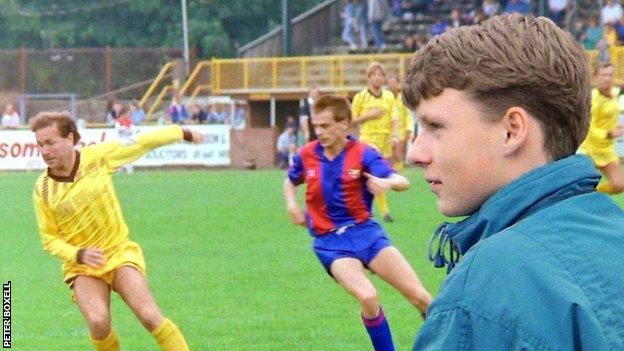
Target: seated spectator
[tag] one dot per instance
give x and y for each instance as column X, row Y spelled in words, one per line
column 457, row 19
column 178, row 114
column 518, row 6
column 10, row 118
column 592, row 34
column 238, row 120
column 136, row 113
column 438, row 27
column 490, row 8
column 409, row 44
column 611, row 12
column 557, row 11
column 286, row 146
column 215, row 116
column 198, row 115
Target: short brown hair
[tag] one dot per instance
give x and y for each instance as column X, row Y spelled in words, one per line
column 375, row 66
column 63, row 121
column 511, row 60
column 339, row 106
column 601, row 65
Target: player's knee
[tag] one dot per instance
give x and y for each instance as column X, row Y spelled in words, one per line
column 150, row 318
column 369, row 300
column 99, row 322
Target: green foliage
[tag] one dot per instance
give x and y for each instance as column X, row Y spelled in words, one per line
column 216, row 27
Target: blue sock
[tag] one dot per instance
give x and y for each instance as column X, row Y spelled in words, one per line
column 379, row 332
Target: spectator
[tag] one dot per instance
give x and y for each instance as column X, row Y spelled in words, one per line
column 611, row 12
column 420, row 40
column 396, row 7
column 125, row 132
column 378, row 11
column 113, row 109
column 136, row 113
column 619, row 31
column 215, row 116
column 409, row 44
column 592, row 34
column 286, row 146
column 361, row 21
column 305, row 121
column 518, row 6
column 490, row 8
column 348, row 24
column 238, row 120
column 178, row 114
column 557, row 11
column 457, row 19
column 478, row 17
column 10, row 118
column 198, row 115
column 438, row 27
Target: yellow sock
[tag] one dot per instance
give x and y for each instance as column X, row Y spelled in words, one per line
column 109, row 343
column 381, row 201
column 169, row 337
column 606, row 187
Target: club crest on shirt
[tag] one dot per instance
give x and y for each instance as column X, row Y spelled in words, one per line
column 310, row 173
column 354, row 173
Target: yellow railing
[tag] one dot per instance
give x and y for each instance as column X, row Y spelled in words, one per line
column 261, row 77
column 159, row 78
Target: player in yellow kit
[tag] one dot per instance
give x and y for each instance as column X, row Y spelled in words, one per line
column 373, row 111
column 604, row 128
column 80, row 221
column 405, row 120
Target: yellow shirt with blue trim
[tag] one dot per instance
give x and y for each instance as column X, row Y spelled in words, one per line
column 82, row 210
column 364, row 101
column 605, row 114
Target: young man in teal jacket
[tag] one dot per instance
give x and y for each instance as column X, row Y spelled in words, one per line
column 503, row 108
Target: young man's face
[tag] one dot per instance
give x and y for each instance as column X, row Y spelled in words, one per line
column 329, row 132
column 55, row 149
column 376, row 79
column 459, row 152
column 604, row 78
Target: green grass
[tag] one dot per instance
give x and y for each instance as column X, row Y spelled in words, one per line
column 223, row 262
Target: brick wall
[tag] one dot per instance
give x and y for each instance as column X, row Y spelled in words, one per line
column 253, row 146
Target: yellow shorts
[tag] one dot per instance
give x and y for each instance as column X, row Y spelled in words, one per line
column 601, row 156
column 128, row 254
column 381, row 142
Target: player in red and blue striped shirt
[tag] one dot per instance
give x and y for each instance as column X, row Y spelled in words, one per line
column 342, row 176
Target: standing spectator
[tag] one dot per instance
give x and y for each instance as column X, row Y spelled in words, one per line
column 378, row 11
column 490, row 8
column 457, row 19
column 611, row 12
column 10, row 118
column 557, row 11
column 113, row 109
column 305, row 115
column 198, row 115
column 518, row 6
column 438, row 27
column 348, row 24
column 136, row 113
column 125, row 132
column 361, row 21
column 238, row 120
column 177, row 110
column 286, row 146
column 592, row 35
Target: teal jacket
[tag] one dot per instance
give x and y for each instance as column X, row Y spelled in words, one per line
column 542, row 268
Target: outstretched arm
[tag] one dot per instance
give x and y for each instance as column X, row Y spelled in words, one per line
column 378, row 185
column 290, row 196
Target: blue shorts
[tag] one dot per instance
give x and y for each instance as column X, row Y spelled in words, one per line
column 361, row 241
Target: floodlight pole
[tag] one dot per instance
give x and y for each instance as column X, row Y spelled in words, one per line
column 186, row 41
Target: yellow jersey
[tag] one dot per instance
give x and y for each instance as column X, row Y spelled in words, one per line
column 82, row 210
column 404, row 116
column 605, row 114
column 364, row 101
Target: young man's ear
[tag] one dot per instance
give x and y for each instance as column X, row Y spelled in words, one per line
column 516, row 125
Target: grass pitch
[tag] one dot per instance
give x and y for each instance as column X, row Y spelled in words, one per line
column 223, row 262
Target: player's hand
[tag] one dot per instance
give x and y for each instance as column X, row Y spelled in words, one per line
column 92, row 257
column 617, row 132
column 377, row 185
column 296, row 215
column 197, row 137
